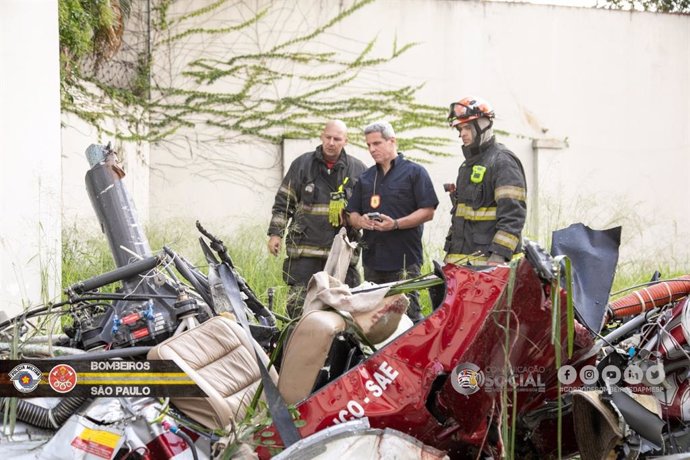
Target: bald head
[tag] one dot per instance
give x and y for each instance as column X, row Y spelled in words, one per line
column 333, row 139
column 337, row 124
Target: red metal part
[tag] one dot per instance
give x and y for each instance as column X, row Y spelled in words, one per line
column 674, row 394
column 139, row 333
column 396, row 386
column 651, row 296
column 131, row 318
column 168, row 445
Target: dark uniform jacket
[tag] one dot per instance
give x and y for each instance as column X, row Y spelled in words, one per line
column 303, row 200
column 489, row 206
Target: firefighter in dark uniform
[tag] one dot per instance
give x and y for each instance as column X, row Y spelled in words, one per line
column 489, row 196
column 309, row 205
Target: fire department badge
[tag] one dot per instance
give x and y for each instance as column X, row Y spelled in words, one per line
column 62, row 378
column 25, row 377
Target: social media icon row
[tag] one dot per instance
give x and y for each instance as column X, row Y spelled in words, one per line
column 632, row 375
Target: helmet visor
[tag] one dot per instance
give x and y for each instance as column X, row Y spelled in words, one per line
column 460, row 113
column 467, row 110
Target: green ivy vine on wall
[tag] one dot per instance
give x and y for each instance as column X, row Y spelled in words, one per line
column 282, row 87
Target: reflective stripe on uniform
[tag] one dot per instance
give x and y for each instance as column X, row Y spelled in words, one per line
column 315, row 209
column 506, row 239
column 287, row 191
column 463, row 259
column 468, row 213
column 306, row 251
column 279, row 220
column 511, row 192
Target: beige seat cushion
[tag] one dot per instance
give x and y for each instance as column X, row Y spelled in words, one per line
column 220, row 358
column 379, row 323
column 306, row 352
column 309, row 344
column 378, row 316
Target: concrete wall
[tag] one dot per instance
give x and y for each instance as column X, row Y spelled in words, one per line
column 77, row 212
column 118, row 120
column 612, row 87
column 219, row 183
column 30, row 199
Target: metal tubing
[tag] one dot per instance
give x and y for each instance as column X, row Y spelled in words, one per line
column 625, row 329
column 119, row 274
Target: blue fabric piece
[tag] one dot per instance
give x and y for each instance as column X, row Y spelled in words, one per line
column 594, row 256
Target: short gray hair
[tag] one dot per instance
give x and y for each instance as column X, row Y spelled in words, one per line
column 382, row 127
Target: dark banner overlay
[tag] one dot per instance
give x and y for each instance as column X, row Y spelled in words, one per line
column 110, row 379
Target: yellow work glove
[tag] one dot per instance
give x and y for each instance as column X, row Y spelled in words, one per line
column 337, row 204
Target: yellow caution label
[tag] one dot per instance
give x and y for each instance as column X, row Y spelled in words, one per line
column 105, row 438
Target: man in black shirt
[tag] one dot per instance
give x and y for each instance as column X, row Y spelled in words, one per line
column 402, row 194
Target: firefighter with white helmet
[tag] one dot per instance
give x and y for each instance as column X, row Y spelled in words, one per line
column 489, row 196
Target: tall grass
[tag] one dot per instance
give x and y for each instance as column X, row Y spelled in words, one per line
column 249, row 253
column 637, row 262
column 83, row 255
column 86, row 255
column 634, row 275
